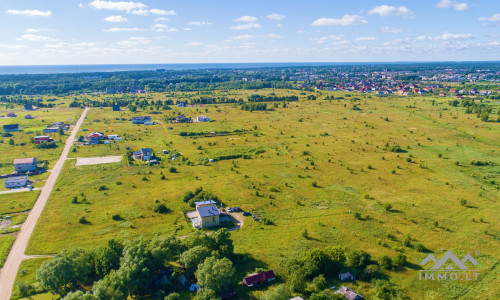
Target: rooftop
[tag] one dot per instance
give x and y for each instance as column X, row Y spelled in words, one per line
column 27, row 160
column 206, row 202
column 208, row 211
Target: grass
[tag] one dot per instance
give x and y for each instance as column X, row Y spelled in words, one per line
column 6, row 242
column 17, row 202
column 27, row 276
column 322, row 142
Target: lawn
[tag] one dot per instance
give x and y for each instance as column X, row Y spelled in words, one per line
column 17, row 202
column 324, row 166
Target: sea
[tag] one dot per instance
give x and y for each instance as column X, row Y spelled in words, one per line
column 56, row 69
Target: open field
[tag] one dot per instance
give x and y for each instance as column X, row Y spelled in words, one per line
column 324, row 166
column 17, row 202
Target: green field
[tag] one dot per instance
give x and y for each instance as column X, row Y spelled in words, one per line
column 325, row 166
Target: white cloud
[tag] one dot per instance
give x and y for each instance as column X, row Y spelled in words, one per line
column 324, row 39
column 12, row 47
column 35, row 30
column 246, row 19
column 388, row 29
column 162, row 28
column 366, row 38
column 244, row 37
column 455, row 36
column 132, row 41
column 35, row 38
column 494, row 18
column 30, row 12
column 118, row 29
column 159, row 19
column 117, row 5
column 460, row 6
column 198, row 23
column 273, row 36
column 187, row 29
column 115, row 19
column 162, row 12
column 277, row 17
column 344, row 21
column 247, row 26
column 391, row 11
column 194, row 44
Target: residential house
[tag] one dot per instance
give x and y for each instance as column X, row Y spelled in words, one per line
column 51, row 130
column 349, row 294
column 346, row 276
column 181, row 104
column 11, row 127
column 145, row 154
column 43, row 139
column 259, row 278
column 22, row 165
column 16, row 182
column 140, row 120
column 203, row 119
column 207, row 214
column 182, row 119
column 11, row 115
column 29, row 117
column 94, row 137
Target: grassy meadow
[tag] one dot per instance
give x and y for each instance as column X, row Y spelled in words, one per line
column 331, row 167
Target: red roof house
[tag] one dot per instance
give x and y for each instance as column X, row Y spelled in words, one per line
column 259, row 278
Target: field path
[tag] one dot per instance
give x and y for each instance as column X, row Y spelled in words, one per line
column 16, row 255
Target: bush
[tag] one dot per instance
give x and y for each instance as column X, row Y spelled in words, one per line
column 400, row 260
column 82, row 220
column 160, row 208
column 102, row 188
column 385, row 262
column 117, row 217
column 172, row 170
column 387, row 207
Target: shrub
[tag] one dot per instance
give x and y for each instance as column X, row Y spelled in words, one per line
column 172, row 170
column 387, row 207
column 117, row 217
column 160, row 208
column 102, row 188
column 82, row 220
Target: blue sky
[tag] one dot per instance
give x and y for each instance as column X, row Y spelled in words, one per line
column 38, row 32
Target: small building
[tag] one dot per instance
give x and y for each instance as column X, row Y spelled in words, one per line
column 114, row 137
column 145, row 154
column 11, row 115
column 346, row 276
column 207, row 214
column 149, row 123
column 51, row 129
column 140, row 120
column 259, row 278
column 43, row 139
column 349, row 294
column 11, row 127
column 94, row 137
column 22, row 165
column 182, row 119
column 29, row 117
column 203, row 119
column 16, row 182
column 181, row 104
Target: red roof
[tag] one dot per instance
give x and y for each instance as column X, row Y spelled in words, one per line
column 29, row 160
column 259, row 278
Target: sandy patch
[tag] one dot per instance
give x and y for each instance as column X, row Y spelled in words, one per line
column 97, row 160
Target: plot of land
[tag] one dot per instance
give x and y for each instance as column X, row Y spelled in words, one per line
column 97, row 160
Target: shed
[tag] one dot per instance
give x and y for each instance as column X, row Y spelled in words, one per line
column 259, row 278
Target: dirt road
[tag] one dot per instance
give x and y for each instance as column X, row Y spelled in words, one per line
column 16, row 255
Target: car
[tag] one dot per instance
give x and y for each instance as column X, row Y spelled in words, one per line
column 246, row 213
column 229, row 210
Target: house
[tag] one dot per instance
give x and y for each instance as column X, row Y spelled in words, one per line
column 116, row 107
column 182, row 119
column 203, row 119
column 11, row 127
column 296, row 298
column 149, row 123
column 145, row 154
column 22, row 165
column 29, row 117
column 259, row 278
column 346, row 276
column 207, row 214
column 15, row 182
column 43, row 139
column 94, row 137
column 51, row 130
column 349, row 294
column 114, row 137
column 181, row 104
column 140, row 120
column 11, row 115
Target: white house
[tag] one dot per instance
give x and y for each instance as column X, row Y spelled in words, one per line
column 16, row 182
column 203, row 119
column 25, row 164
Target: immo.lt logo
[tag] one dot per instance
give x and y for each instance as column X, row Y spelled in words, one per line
column 449, row 267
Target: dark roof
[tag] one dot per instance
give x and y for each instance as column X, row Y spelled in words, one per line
column 208, row 211
column 349, row 294
column 146, row 151
column 11, row 126
column 258, row 278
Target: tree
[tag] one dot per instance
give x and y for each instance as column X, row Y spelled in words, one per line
column 356, row 259
column 164, row 248
column 317, row 284
column 281, row 292
column 110, row 287
column 108, row 258
column 79, row 295
column 297, row 281
column 61, row 130
column 193, row 257
column 197, row 238
column 385, row 262
column 136, row 268
column 221, row 241
column 173, row 296
column 399, row 260
column 215, row 274
column 206, row 294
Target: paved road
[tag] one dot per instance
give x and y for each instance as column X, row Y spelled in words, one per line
column 16, row 255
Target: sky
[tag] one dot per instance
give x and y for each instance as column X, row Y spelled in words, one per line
column 62, row 32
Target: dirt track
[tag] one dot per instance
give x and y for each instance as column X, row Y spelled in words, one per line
column 16, row 255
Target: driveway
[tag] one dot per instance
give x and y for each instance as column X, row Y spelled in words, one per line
column 16, row 255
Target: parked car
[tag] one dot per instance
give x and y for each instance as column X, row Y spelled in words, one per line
column 246, row 213
column 229, row 210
